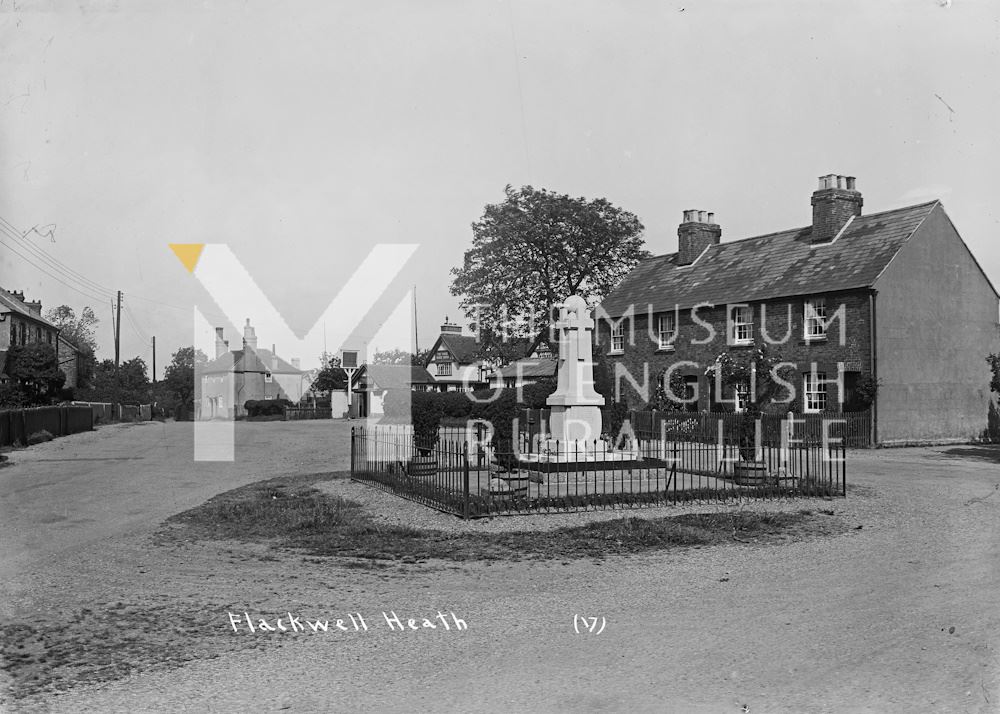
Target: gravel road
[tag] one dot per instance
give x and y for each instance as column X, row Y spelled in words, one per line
column 897, row 614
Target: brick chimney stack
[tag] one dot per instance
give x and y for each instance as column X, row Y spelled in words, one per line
column 450, row 328
column 834, row 203
column 249, row 336
column 34, row 306
column 221, row 346
column 698, row 231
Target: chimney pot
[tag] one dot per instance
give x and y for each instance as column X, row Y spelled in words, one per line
column 250, row 336
column 449, row 328
column 221, row 346
column 695, row 234
column 834, row 204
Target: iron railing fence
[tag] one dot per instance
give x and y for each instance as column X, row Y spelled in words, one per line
column 533, row 475
column 296, row 413
column 855, row 428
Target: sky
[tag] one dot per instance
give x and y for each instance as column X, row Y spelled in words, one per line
column 303, row 135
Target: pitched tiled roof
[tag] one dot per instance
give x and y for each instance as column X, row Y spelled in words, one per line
column 249, row 360
column 770, row 266
column 462, row 347
column 9, row 303
column 393, row 376
column 543, row 367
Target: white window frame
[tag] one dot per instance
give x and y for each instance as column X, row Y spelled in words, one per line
column 618, row 337
column 667, row 336
column 741, row 396
column 268, row 377
column 742, row 325
column 814, row 319
column 443, row 369
column 814, row 392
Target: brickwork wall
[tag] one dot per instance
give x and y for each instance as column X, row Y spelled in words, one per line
column 643, row 350
column 831, row 210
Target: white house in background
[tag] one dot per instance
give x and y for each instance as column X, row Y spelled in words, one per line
column 235, row 377
column 373, row 382
column 453, row 362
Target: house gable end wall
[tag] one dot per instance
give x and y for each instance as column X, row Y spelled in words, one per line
column 936, row 320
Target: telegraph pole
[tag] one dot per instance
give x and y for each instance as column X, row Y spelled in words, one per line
column 154, row 360
column 118, row 332
column 416, row 336
column 118, row 336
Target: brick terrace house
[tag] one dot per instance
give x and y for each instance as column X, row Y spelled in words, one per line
column 250, row 373
column 895, row 296
column 21, row 323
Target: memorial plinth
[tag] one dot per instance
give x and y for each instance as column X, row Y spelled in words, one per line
column 575, row 423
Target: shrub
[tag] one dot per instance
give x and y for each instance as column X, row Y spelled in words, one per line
column 617, row 414
column 533, row 396
column 266, row 407
column 427, row 409
column 39, row 437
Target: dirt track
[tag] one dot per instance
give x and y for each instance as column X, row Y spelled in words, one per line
column 858, row 622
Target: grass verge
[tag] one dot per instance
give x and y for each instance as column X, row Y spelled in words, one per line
column 290, row 513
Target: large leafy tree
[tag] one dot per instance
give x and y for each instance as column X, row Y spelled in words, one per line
column 534, row 250
column 34, row 373
column 133, row 382
column 331, row 375
column 398, row 356
column 130, row 386
column 80, row 331
column 176, row 391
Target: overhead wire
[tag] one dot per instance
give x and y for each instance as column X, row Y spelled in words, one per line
column 65, row 270
column 86, row 293
column 84, row 285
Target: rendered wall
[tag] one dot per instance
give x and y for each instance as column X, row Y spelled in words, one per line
column 936, row 320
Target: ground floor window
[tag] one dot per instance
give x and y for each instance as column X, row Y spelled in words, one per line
column 814, row 390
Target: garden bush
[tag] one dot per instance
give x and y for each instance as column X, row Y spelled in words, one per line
column 39, row 437
column 266, row 407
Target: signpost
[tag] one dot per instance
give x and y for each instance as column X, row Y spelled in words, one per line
column 349, row 363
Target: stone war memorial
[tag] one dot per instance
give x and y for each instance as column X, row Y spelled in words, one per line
column 575, row 423
column 570, row 464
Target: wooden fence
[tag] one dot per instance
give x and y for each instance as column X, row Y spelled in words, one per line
column 16, row 425
column 105, row 412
